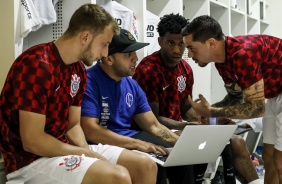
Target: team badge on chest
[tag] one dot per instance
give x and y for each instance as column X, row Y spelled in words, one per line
column 129, row 99
column 181, row 83
column 75, row 80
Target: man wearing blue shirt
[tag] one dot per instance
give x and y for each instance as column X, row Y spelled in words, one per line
column 113, row 100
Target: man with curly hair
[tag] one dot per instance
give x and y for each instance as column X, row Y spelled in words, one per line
column 158, row 72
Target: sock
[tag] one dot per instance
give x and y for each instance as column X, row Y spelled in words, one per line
column 257, row 181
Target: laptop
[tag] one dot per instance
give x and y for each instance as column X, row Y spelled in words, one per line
column 197, row 144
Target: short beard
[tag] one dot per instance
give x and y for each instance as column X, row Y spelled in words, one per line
column 86, row 53
column 87, row 62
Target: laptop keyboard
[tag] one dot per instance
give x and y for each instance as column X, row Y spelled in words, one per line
column 160, row 157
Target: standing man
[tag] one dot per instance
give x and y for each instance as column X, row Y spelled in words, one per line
column 251, row 65
column 41, row 137
column 113, row 100
column 167, row 80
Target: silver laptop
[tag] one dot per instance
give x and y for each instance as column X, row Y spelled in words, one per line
column 197, row 144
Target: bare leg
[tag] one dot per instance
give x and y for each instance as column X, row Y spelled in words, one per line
column 244, row 168
column 105, row 172
column 278, row 164
column 271, row 175
column 142, row 169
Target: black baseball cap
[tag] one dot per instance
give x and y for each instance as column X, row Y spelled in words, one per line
column 124, row 43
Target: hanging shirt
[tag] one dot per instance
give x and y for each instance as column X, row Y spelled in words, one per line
column 107, row 5
column 46, row 11
column 152, row 33
column 125, row 18
column 30, row 20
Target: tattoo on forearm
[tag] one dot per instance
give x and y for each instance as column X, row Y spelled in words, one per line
column 165, row 135
column 234, row 96
column 259, row 86
column 233, row 89
column 252, row 106
column 257, row 94
column 229, row 100
column 245, row 110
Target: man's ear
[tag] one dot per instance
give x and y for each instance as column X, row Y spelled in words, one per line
column 109, row 59
column 160, row 41
column 211, row 42
column 85, row 37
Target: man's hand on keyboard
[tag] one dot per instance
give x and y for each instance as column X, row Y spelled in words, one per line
column 151, row 148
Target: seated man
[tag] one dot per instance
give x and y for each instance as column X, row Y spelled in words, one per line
column 40, row 134
column 167, row 80
column 112, row 100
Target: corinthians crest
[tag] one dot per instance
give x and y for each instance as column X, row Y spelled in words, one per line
column 75, row 80
column 71, row 162
column 181, row 83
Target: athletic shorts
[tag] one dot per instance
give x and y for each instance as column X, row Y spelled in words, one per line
column 63, row 170
column 272, row 122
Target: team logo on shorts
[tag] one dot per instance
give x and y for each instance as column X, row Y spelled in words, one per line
column 71, row 162
column 181, row 83
column 75, row 80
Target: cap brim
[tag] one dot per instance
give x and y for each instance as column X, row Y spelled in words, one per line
column 134, row 47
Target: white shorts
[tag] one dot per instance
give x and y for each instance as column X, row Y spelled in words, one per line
column 63, row 170
column 272, row 122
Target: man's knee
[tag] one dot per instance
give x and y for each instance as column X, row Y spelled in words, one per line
column 238, row 145
column 237, row 141
column 119, row 173
column 137, row 163
column 104, row 172
column 147, row 164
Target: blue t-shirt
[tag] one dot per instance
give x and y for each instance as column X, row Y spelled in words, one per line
column 113, row 103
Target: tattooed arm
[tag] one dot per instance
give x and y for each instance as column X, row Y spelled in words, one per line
column 252, row 107
column 234, row 96
column 96, row 133
column 148, row 122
